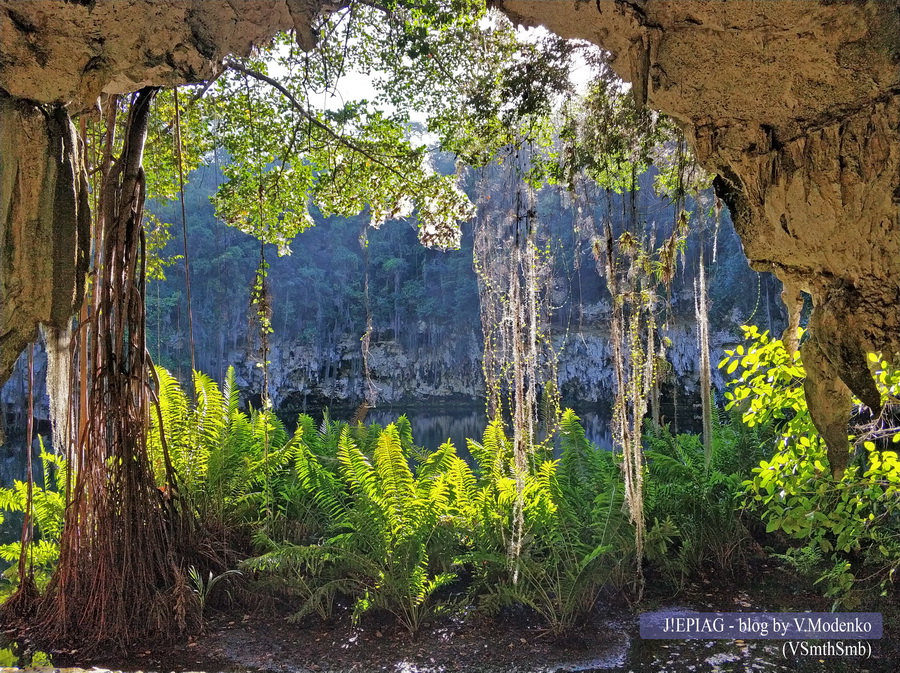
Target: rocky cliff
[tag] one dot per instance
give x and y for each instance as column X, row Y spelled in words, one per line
column 303, row 376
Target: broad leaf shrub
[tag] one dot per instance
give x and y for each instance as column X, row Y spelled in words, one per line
column 231, row 466
column 848, row 523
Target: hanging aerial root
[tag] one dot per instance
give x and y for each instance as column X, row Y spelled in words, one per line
column 22, row 605
column 120, row 577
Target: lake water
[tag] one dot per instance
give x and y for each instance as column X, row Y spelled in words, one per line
column 432, row 426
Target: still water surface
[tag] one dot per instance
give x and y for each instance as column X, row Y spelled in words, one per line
column 432, row 426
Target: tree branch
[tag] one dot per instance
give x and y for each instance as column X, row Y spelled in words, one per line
column 346, row 142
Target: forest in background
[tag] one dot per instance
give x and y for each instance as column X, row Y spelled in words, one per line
column 424, row 303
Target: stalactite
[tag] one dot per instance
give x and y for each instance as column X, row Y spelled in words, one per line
column 44, row 223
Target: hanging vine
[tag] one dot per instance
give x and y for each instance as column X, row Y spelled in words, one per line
column 187, row 259
column 610, row 141
column 21, row 605
column 702, row 313
column 519, row 362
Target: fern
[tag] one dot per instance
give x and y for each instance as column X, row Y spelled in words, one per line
column 396, row 486
column 229, row 464
column 573, row 521
column 383, row 521
column 48, row 514
column 694, row 505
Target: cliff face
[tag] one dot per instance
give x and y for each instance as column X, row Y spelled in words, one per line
column 795, row 106
column 303, row 376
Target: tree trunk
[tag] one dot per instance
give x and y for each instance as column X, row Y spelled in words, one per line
column 118, row 577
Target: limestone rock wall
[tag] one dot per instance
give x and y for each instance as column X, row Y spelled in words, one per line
column 302, row 376
column 44, row 223
column 71, row 51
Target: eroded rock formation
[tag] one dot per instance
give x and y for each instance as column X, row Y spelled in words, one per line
column 57, row 58
column 795, row 106
column 44, row 223
column 70, row 51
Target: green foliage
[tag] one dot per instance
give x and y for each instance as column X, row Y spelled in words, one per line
column 383, row 521
column 203, row 587
column 575, row 531
column 48, row 511
column 398, row 522
column 768, row 388
column 163, row 170
column 694, row 507
column 794, row 490
column 225, row 459
column 285, row 153
column 362, row 513
column 315, row 294
column 13, row 657
column 289, row 147
column 484, row 89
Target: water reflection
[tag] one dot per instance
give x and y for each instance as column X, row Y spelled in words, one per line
column 432, row 426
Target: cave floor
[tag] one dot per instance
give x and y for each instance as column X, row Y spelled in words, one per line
column 259, row 639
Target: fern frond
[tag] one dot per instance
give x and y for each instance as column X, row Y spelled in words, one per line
column 395, row 479
column 437, row 462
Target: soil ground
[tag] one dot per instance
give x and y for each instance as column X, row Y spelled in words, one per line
column 260, row 639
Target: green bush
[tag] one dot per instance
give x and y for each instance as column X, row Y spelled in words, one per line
column 694, row 507
column 399, row 523
column 48, row 508
column 575, row 533
column 793, row 490
column 383, row 521
column 229, row 465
